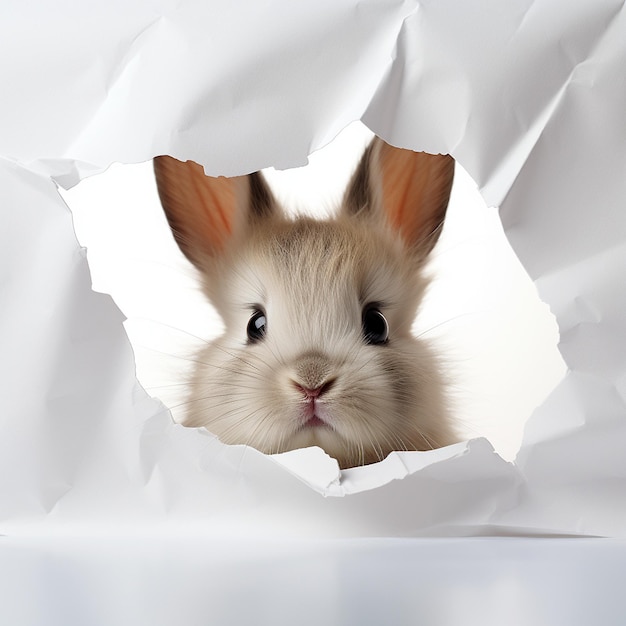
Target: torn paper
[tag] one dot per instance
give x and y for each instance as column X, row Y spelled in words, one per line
column 529, row 100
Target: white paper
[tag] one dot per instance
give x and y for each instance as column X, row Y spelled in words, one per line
column 528, row 97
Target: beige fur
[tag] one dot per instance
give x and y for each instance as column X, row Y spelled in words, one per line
column 313, row 279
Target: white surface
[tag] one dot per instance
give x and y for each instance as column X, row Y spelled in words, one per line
column 445, row 582
column 529, row 97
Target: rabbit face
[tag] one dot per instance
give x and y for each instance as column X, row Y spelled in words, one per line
column 317, row 348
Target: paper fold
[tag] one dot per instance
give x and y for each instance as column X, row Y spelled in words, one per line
column 528, row 98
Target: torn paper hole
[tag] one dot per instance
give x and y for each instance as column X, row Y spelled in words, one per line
column 482, row 311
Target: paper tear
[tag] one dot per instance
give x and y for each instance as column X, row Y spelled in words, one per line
column 316, row 468
column 564, row 206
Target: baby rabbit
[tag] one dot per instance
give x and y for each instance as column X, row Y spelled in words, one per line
column 317, row 348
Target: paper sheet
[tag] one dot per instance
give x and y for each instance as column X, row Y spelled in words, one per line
column 529, row 100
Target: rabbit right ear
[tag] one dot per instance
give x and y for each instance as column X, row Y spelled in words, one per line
column 409, row 191
column 205, row 213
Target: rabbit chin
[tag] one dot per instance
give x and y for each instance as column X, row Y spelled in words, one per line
column 347, row 453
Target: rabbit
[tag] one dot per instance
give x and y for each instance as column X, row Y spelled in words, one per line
column 317, row 348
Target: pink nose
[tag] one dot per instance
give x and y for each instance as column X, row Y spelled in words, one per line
column 311, row 394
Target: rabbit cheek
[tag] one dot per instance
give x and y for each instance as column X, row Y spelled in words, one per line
column 367, row 413
column 231, row 397
column 421, row 417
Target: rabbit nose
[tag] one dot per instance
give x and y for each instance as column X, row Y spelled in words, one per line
column 311, row 370
column 312, row 394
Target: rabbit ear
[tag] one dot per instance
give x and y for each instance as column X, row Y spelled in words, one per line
column 204, row 212
column 409, row 190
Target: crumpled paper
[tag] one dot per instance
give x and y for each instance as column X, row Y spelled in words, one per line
column 527, row 96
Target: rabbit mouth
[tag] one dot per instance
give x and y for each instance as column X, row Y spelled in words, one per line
column 314, row 422
column 314, row 416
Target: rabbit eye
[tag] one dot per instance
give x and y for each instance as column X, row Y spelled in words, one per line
column 375, row 327
column 256, row 326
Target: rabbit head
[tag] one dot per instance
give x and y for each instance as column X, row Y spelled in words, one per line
column 317, row 348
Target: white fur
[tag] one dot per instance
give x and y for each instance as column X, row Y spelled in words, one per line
column 313, row 279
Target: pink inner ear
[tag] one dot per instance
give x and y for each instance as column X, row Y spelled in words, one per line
column 200, row 209
column 416, row 187
column 216, row 199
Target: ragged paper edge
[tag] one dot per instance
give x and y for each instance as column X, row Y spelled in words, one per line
column 321, row 472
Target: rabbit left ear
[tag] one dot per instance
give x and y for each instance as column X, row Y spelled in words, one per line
column 206, row 214
column 408, row 190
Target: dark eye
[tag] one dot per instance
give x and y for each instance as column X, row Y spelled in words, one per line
column 256, row 326
column 375, row 327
